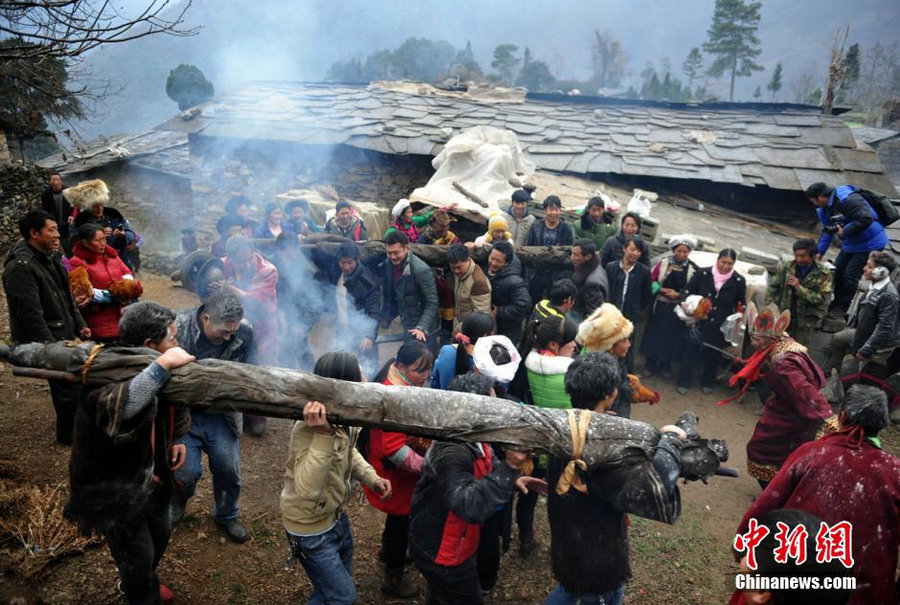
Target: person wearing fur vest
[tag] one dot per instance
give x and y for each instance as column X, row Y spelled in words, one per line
column 124, row 456
column 105, row 270
column 608, row 331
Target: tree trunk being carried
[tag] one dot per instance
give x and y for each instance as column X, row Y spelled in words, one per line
column 218, row 386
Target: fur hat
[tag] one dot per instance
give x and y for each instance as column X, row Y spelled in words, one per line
column 603, row 328
column 399, row 208
column 86, row 194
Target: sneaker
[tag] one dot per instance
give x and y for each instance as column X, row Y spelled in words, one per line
column 176, row 509
column 235, row 531
column 682, row 390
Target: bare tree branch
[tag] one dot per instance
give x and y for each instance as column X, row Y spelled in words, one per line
column 66, row 29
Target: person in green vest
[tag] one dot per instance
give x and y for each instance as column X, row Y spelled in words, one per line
column 549, row 343
column 596, row 223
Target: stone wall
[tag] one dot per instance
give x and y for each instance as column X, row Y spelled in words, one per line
column 20, row 191
column 260, row 171
column 158, row 205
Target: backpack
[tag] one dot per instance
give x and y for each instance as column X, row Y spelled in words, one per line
column 884, row 208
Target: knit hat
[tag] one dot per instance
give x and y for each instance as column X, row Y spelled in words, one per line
column 685, row 239
column 497, row 222
column 87, row 194
column 603, row 328
column 399, row 208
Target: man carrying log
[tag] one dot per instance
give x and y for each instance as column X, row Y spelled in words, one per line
column 124, row 455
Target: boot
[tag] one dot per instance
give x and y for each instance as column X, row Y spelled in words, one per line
column 396, row 586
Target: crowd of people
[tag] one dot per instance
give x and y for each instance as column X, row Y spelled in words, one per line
column 486, row 323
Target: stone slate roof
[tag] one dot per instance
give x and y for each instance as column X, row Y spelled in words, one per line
column 157, row 150
column 781, row 146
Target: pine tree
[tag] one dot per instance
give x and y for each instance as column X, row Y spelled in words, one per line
column 187, row 86
column 534, row 75
column 693, row 66
column 774, row 84
column 732, row 38
column 506, row 62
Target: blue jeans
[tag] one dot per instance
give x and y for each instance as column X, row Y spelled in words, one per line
column 211, row 433
column 328, row 561
column 560, row 597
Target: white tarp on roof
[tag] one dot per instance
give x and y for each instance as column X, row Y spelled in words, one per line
column 483, row 161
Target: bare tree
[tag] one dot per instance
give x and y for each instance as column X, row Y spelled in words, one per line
column 879, row 76
column 837, row 70
column 608, row 60
column 65, row 29
column 803, row 84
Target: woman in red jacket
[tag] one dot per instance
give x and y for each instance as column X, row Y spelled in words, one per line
column 104, row 268
column 398, row 458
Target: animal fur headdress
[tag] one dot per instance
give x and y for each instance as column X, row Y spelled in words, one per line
column 603, row 328
column 86, row 194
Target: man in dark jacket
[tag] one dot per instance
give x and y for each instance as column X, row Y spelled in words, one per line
column 41, row 307
column 589, row 277
column 215, row 330
column 409, row 290
column 552, row 231
column 358, row 306
column 510, row 302
column 588, row 529
column 461, row 486
column 873, row 331
column 844, row 212
column 124, row 456
column 54, row 203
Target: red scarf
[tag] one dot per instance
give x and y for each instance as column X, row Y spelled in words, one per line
column 751, row 372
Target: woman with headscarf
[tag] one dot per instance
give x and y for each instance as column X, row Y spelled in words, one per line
column 663, row 342
column 405, row 222
column 456, row 359
column 398, row 458
column 727, row 289
column 273, row 223
column 614, row 248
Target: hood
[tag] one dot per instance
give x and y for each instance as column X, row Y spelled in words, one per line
column 547, row 365
column 513, row 267
column 509, row 211
column 21, row 251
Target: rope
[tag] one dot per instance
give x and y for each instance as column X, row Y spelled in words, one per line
column 578, row 428
column 95, row 351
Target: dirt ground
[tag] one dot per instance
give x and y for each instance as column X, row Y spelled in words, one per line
column 687, row 563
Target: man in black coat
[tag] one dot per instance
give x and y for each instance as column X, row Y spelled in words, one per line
column 54, row 203
column 358, row 305
column 552, row 231
column 588, row 529
column 41, row 307
column 590, row 279
column 121, row 471
column 510, row 302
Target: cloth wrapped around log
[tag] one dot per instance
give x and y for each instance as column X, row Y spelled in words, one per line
column 214, row 385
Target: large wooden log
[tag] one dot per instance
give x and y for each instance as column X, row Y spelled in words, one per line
column 218, row 386
column 539, row 257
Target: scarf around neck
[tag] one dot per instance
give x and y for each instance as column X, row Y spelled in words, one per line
column 719, row 279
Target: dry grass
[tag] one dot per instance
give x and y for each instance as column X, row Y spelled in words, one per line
column 33, row 526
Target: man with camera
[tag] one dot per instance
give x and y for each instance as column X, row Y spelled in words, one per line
column 844, row 212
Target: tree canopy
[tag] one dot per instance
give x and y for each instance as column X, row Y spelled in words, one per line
column 187, row 86
column 732, row 40
column 506, row 62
